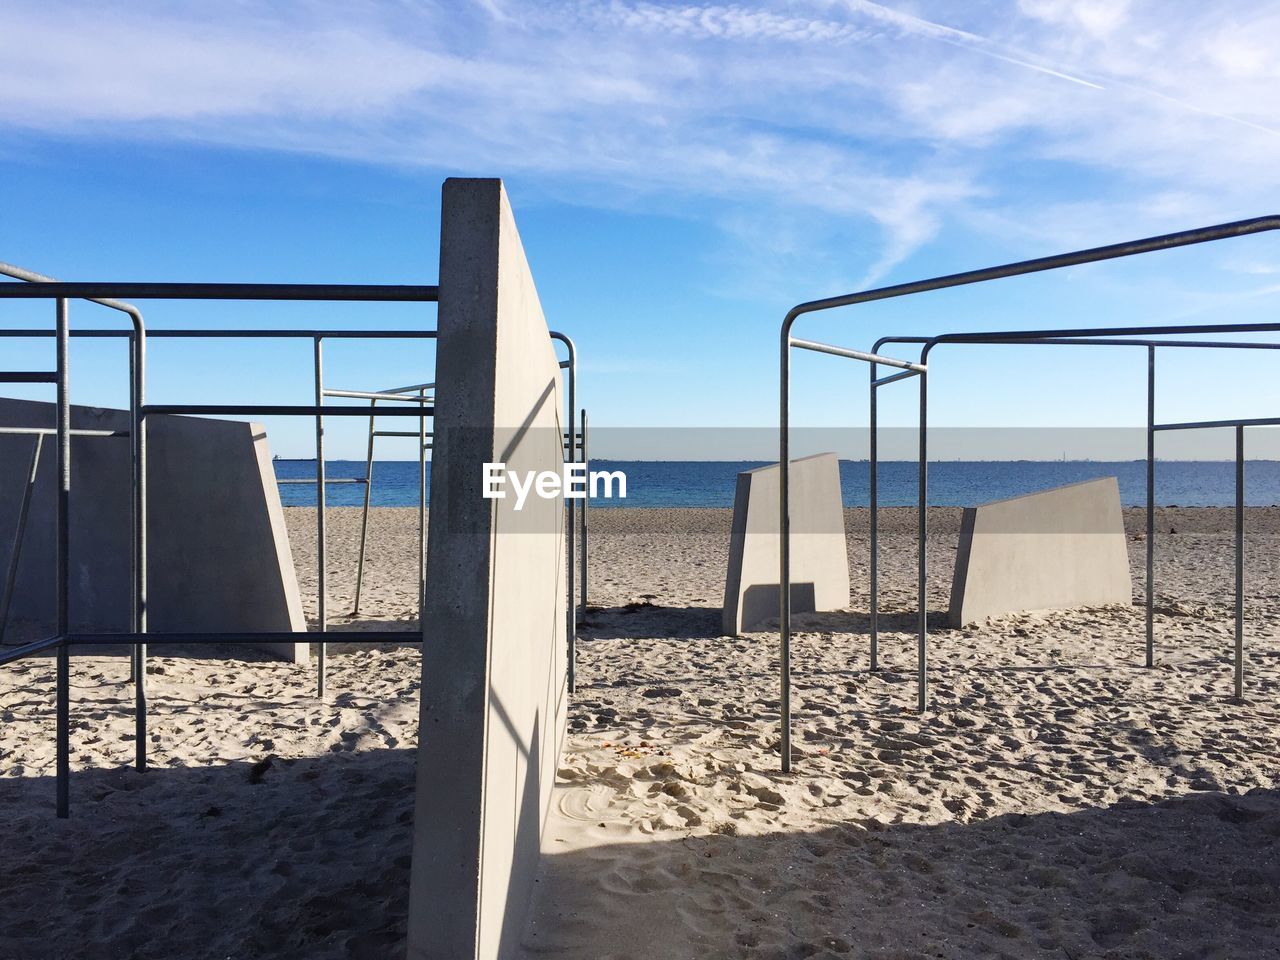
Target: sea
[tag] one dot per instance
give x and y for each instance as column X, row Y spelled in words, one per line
column 701, row 483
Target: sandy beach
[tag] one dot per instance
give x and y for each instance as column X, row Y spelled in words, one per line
column 1058, row 801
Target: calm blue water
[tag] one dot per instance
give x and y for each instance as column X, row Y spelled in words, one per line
column 711, row 484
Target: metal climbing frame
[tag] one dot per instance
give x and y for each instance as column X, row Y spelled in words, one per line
column 575, row 444
column 40, row 287
column 320, row 480
column 1091, row 255
column 1097, row 338
column 574, row 438
column 414, row 393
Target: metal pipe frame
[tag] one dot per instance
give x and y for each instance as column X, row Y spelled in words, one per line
column 397, row 393
column 1097, row 337
column 137, row 352
column 39, row 287
column 1003, row 271
column 424, row 440
column 1238, row 428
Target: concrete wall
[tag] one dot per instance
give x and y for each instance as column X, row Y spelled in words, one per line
column 819, row 559
column 1053, row 550
column 493, row 644
column 218, row 552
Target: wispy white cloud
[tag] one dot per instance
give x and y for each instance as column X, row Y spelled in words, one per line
column 1116, row 116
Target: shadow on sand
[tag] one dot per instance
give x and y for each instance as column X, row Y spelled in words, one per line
column 1196, row 876
column 644, row 619
column 273, row 858
column 310, row 858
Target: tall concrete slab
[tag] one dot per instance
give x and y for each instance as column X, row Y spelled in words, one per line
column 819, row 559
column 1053, row 550
column 494, row 692
column 218, row 552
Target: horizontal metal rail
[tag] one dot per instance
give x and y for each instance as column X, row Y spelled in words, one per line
column 52, row 431
column 373, row 395
column 855, row 354
column 235, row 334
column 92, row 290
column 297, row 636
column 1102, row 336
column 30, row 276
column 27, row 649
column 28, row 376
column 1212, row 424
column 313, row 481
column 894, row 378
column 1031, row 339
column 400, row 433
column 276, row 410
column 412, row 388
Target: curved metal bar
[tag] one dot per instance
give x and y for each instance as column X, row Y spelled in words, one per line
column 138, row 472
column 1168, row 241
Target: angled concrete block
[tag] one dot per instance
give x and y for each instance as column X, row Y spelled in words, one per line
column 218, row 552
column 819, row 559
column 1053, row 550
column 493, row 643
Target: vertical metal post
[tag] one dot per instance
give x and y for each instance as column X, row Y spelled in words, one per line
column 1151, row 508
column 922, row 650
column 784, row 550
column 422, row 503
column 133, row 526
column 586, row 499
column 138, row 451
column 63, row 522
column 364, row 516
column 872, row 467
column 571, row 626
column 24, row 509
column 321, row 591
column 1240, row 562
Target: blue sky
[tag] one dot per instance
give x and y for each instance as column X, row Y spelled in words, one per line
column 682, row 174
